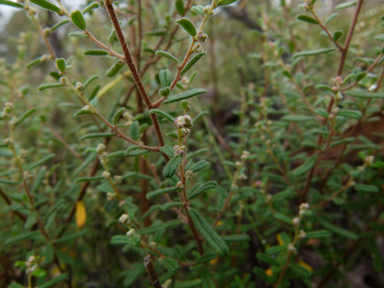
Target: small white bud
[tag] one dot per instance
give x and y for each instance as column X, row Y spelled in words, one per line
column 106, row 175
column 295, row 221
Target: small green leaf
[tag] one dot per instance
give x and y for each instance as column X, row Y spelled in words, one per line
column 163, row 114
column 199, row 165
column 77, row 34
column 192, row 62
column 82, row 112
column 51, row 85
column 206, row 278
column 172, row 165
column 91, row 6
column 39, row 273
column 117, row 115
column 307, row 19
column 9, row 182
column 46, row 5
column 267, row 259
column 313, row 52
column 34, row 62
column 161, row 192
column 276, row 249
column 26, row 115
column 318, row 234
column 165, row 91
column 168, row 150
column 96, row 135
column 187, row 26
column 347, row 140
column 158, row 235
column 180, row 7
column 306, row 166
column 89, row 81
column 167, row 55
column 96, row 52
column 366, row 188
column 355, row 114
column 54, row 281
column 11, row 3
column 39, row 179
column 204, row 187
column 283, row 218
column 184, row 95
column 115, row 68
column 60, row 64
column 337, row 230
column 206, row 257
column 88, row 179
column 199, row 9
column 360, row 93
column 165, row 76
column 209, row 233
column 31, row 220
column 170, row 264
column 169, row 205
column 226, row 2
column 78, row 20
column 58, row 25
column 346, row 4
column 337, row 35
column 40, row 162
column 135, row 130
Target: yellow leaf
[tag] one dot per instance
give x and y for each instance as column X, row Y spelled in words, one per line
column 214, row 261
column 279, row 239
column 81, row 214
column 269, row 272
column 305, row 265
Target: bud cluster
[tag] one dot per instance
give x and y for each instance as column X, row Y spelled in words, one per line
column 201, row 36
column 183, row 122
column 303, row 208
column 110, row 196
column 106, row 175
column 8, row 107
column 188, row 174
column 180, row 150
column 31, row 264
column 124, row 219
column 101, row 148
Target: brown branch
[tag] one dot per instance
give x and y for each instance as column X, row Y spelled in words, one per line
column 153, row 277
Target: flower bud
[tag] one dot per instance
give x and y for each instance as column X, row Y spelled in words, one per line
column 131, row 232
column 79, row 86
column 295, row 221
column 291, row 248
column 106, row 175
column 101, row 148
column 124, row 219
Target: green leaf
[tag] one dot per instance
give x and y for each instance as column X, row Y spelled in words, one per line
column 184, row 95
column 168, row 150
column 46, row 5
column 20, row 236
column 346, row 4
column 71, row 236
column 307, row 19
column 180, row 7
column 300, row 270
column 172, row 165
column 54, row 281
column 170, row 264
column 192, row 62
column 31, row 220
column 39, row 273
column 14, row 284
column 337, row 35
column 209, row 233
column 198, row 116
column 82, row 112
column 337, row 230
column 283, row 218
column 167, row 55
column 135, row 130
column 298, row 118
column 161, row 192
column 58, row 25
column 206, row 278
column 169, row 205
column 78, row 20
column 226, row 2
column 60, row 64
column 360, row 93
column 306, row 166
column 199, row 9
column 187, row 26
column 134, row 240
column 88, row 179
column 204, row 187
column 193, row 154
column 96, row 135
column 49, row 253
column 117, row 115
column 326, row 87
column 236, row 238
column 165, row 91
column 96, row 52
column 39, row 179
column 313, row 52
column 318, row 234
column 40, row 162
column 91, row 6
column 158, row 235
column 347, row 140
column 322, row 112
column 11, row 3
column 276, row 249
column 199, row 165
column 115, row 68
column 34, row 62
column 366, row 188
column 331, row 17
column 163, row 114
column 206, row 257
column 355, row 114
column 165, row 76
column 89, row 81
column 267, row 259
column 77, row 34
column 51, row 85
column 26, row 115
column 10, row 182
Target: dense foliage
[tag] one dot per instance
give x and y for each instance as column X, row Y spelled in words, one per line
column 192, row 144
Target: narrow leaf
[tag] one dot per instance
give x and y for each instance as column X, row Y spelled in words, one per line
column 360, row 93
column 307, row 19
column 199, row 165
column 169, row 205
column 11, row 3
column 168, row 150
column 117, row 115
column 167, row 55
column 91, row 6
column 46, row 5
column 115, row 68
column 337, row 230
column 26, row 115
column 41, row 161
column 204, row 187
column 89, row 81
column 318, row 234
column 96, row 52
column 267, row 259
column 78, row 20
column 96, row 135
column 48, row 86
column 172, row 165
column 161, row 192
column 192, row 62
column 184, row 95
column 135, row 130
column 226, row 2
column 306, row 166
column 187, row 26
column 82, row 112
column 163, row 114
column 355, row 114
column 313, row 52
